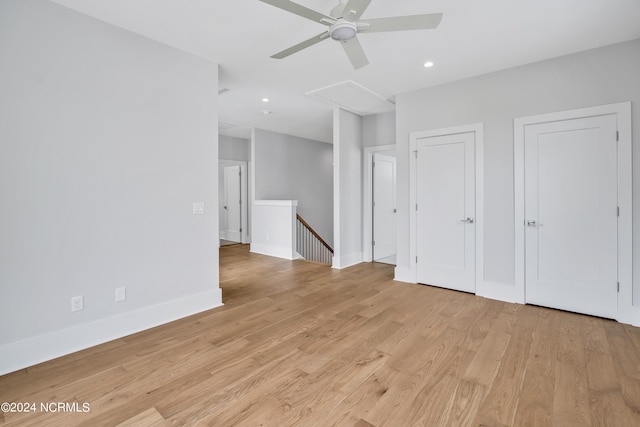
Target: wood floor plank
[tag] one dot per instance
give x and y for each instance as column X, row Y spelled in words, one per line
column 571, row 395
column 463, row 404
column 502, row 399
column 534, row 407
column 437, row 390
column 486, row 363
column 302, row 344
column 358, row 404
column 606, row 402
column 151, row 417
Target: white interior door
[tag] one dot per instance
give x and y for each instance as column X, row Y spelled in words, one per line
column 571, row 215
column 445, row 211
column 233, row 203
column 384, row 207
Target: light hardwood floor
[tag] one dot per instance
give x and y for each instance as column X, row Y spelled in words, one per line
column 300, row 344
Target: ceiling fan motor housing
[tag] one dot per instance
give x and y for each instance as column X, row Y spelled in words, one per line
column 343, row 30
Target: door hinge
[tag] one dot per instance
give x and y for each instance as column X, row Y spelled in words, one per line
column 373, row 243
column 618, row 286
column 416, row 260
column 416, row 206
column 373, row 165
column 617, row 136
column 241, row 230
column 618, row 213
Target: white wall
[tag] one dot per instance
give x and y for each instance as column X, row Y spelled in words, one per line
column 379, row 129
column 596, row 77
column 274, row 228
column 106, row 140
column 232, row 148
column 347, row 188
column 292, row 168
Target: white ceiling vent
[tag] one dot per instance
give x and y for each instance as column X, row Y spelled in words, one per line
column 225, row 125
column 352, row 97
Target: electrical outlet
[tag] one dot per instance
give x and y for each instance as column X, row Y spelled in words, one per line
column 121, row 294
column 77, row 303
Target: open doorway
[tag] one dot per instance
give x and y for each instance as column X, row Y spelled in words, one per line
column 233, row 205
column 380, row 204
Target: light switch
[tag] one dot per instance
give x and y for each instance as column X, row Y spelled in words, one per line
column 77, row 303
column 121, row 294
column 198, row 208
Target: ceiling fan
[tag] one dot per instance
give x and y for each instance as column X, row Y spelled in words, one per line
column 344, row 24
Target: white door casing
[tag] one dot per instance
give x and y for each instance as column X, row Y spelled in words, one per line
column 367, row 210
column 571, row 215
column 233, row 203
column 477, row 130
column 446, row 211
column 384, row 206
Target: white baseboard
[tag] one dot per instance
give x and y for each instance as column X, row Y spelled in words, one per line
column 403, row 275
column 347, row 260
column 629, row 314
column 499, row 291
column 275, row 251
column 31, row 351
column 492, row 290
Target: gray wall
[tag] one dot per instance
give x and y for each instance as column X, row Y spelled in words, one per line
column 106, row 140
column 292, row 168
column 232, row 148
column 379, row 129
column 596, row 77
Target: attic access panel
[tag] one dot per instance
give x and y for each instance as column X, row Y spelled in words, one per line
column 352, row 97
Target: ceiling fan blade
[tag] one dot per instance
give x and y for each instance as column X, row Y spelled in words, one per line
column 300, row 46
column 400, row 23
column 354, row 9
column 300, row 10
column 355, row 53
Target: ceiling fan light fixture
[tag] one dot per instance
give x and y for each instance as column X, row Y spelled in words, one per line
column 343, row 30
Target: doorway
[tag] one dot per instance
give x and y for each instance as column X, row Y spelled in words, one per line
column 379, row 230
column 383, row 244
column 233, row 206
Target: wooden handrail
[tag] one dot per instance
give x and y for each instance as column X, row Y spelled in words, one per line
column 317, row 236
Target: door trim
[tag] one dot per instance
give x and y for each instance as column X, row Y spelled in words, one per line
column 367, row 223
column 478, row 130
column 244, row 194
column 627, row 312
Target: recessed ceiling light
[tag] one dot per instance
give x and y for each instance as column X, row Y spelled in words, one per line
column 428, row 64
column 265, row 99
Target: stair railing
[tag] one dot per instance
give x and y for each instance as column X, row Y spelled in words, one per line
column 310, row 245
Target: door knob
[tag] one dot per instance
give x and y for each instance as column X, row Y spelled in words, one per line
column 531, row 223
column 468, row 220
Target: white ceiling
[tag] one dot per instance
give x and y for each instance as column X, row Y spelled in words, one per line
column 475, row 37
